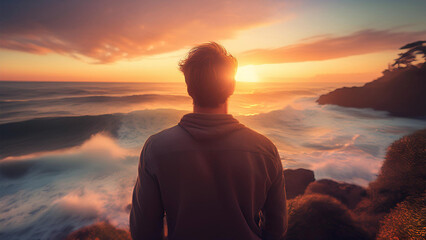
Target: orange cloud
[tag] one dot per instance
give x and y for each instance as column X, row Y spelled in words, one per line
column 109, row 30
column 325, row 47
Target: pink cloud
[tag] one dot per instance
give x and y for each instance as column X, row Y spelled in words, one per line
column 109, row 30
column 327, row 47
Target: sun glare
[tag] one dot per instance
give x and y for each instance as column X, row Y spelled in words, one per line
column 246, row 74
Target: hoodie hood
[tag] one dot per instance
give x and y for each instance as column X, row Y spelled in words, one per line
column 203, row 126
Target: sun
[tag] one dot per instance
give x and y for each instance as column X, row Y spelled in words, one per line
column 246, row 74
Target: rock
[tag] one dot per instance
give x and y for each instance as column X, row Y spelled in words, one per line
column 348, row 194
column 296, row 181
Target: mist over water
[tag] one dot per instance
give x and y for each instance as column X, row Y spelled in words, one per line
column 58, row 174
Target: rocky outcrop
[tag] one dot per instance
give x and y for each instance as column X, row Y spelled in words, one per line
column 296, row 181
column 349, row 194
column 401, row 92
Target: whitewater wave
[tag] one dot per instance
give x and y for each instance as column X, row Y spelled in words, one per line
column 48, row 195
column 47, row 134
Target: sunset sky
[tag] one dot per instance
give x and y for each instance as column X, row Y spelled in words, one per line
column 127, row 40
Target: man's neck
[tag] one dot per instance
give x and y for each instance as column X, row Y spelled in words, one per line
column 221, row 109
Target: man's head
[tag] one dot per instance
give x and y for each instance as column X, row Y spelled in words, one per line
column 209, row 72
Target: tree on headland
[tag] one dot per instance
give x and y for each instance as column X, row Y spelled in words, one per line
column 413, row 45
column 405, row 58
column 409, row 56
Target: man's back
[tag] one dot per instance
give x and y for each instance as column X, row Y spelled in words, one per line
column 212, row 177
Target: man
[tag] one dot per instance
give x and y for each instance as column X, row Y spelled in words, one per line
column 211, row 176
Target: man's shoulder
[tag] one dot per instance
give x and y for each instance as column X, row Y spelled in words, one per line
column 177, row 139
column 177, row 133
column 167, row 133
column 262, row 139
column 254, row 141
column 167, row 138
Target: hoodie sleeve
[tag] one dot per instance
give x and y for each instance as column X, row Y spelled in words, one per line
column 275, row 208
column 146, row 215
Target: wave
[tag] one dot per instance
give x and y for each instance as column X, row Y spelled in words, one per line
column 118, row 100
column 54, row 133
column 42, row 223
column 46, row 196
column 13, row 111
column 10, row 90
column 23, row 102
column 48, row 134
column 15, row 105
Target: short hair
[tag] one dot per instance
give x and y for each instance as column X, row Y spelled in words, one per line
column 209, row 72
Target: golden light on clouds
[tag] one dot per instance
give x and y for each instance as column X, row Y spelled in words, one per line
column 135, row 41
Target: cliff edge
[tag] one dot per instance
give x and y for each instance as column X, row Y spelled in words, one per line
column 401, row 92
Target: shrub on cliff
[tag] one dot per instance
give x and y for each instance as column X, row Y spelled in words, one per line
column 348, row 194
column 405, row 221
column 100, row 231
column 318, row 217
column 403, row 173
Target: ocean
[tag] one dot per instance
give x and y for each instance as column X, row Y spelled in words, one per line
column 69, row 151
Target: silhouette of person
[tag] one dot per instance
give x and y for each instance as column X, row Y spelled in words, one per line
column 211, row 176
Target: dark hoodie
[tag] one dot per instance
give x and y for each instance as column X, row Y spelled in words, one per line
column 214, row 178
